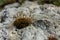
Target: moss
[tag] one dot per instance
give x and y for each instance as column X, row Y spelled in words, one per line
column 4, row 2
column 55, row 2
column 51, row 37
column 21, row 1
column 21, row 22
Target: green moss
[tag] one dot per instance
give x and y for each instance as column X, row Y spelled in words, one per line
column 55, row 2
column 3, row 2
column 21, row 1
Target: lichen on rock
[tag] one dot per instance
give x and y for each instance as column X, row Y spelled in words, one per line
column 46, row 21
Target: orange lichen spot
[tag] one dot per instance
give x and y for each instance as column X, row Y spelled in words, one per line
column 22, row 22
column 51, row 37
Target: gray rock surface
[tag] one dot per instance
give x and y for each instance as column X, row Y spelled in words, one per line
column 46, row 21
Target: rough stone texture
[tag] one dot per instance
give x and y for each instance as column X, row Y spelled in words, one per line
column 46, row 21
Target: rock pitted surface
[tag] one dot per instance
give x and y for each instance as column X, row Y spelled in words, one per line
column 46, row 21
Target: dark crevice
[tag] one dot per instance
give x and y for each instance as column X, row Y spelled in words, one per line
column 3, row 17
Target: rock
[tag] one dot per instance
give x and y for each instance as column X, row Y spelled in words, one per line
column 46, row 21
column 30, row 33
column 12, row 5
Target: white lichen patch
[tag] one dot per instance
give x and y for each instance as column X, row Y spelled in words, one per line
column 13, row 35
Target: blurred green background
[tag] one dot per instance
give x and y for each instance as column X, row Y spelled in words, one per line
column 55, row 2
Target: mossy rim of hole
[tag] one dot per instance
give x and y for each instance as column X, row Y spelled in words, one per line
column 20, row 22
column 52, row 38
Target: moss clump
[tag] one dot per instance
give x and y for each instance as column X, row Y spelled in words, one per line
column 51, row 37
column 4, row 2
column 22, row 22
column 55, row 2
